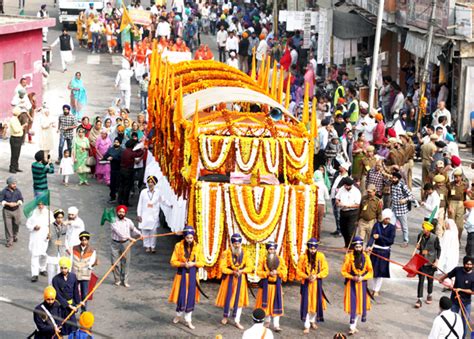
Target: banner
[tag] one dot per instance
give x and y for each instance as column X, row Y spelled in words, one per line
column 140, row 17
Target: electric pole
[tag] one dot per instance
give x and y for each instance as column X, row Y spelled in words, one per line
column 375, row 57
column 425, row 73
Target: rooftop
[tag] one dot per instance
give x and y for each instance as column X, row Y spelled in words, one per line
column 16, row 23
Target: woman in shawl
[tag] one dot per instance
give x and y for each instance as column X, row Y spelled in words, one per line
column 47, row 124
column 93, row 136
column 85, row 124
column 359, row 150
column 78, row 95
column 80, row 153
column 102, row 169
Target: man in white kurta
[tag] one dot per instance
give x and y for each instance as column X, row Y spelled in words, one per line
column 148, row 213
column 38, row 225
column 123, row 83
column 75, row 226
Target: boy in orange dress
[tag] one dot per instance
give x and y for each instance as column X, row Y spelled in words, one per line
column 272, row 271
column 187, row 258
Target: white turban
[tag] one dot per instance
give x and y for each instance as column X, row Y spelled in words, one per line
column 387, row 214
column 72, row 210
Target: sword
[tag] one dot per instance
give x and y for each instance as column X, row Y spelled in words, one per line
column 325, row 297
column 370, row 294
column 200, row 289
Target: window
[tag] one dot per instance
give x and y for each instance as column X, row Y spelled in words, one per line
column 9, row 71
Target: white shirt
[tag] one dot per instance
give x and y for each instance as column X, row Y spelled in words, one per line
column 294, row 56
column 38, row 243
column 163, row 29
column 323, row 193
column 334, row 188
column 221, row 38
column 256, row 332
column 75, row 227
column 154, row 10
column 346, row 197
column 367, row 128
column 148, row 209
column 442, row 113
column 398, row 127
column 95, row 27
column 122, row 81
column 261, row 50
column 398, row 103
column 440, row 330
column 433, row 200
column 233, row 62
column 232, row 44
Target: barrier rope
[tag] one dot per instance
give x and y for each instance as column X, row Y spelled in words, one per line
column 133, row 242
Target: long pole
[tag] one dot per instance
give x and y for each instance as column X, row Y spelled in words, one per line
column 375, row 57
column 275, row 19
column 425, row 72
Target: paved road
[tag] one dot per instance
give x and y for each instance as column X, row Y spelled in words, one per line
column 142, row 311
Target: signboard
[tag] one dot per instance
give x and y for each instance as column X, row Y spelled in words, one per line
column 294, row 21
column 463, row 21
column 140, row 17
column 419, row 12
column 307, row 30
column 282, row 15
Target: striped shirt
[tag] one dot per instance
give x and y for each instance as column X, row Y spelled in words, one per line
column 40, row 172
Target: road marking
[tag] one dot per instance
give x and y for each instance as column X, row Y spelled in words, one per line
column 117, row 60
column 93, row 59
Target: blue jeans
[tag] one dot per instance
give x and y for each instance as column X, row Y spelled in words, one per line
column 404, row 224
column 143, row 100
column 61, row 145
column 84, row 288
column 95, row 42
column 467, row 308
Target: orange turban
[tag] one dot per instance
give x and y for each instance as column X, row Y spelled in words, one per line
column 262, row 36
column 378, row 117
column 245, row 35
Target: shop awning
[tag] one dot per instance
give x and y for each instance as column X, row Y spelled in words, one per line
column 415, row 43
column 351, row 26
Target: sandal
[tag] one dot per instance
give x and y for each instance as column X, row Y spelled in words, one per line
column 418, row 304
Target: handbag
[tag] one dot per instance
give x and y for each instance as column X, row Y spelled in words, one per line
column 91, row 161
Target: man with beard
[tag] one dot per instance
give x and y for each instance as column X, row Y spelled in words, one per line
column 47, row 315
column 348, row 201
column 429, row 247
column 312, row 268
column 123, row 231
column 381, row 238
column 370, row 210
column 187, row 258
column 357, row 270
column 66, row 126
column 233, row 295
column 456, row 198
column 272, row 271
column 464, row 286
column 11, row 200
column 400, row 195
column 38, row 225
column 114, row 155
column 75, row 226
column 67, row 286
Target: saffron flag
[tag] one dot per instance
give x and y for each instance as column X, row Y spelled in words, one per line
column 107, row 215
column 29, row 207
column 126, row 20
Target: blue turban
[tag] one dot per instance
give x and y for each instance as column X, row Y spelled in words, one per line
column 188, row 230
column 271, row 244
column 312, row 243
column 236, row 237
column 67, row 106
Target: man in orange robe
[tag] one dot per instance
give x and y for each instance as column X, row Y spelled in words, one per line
column 272, row 272
column 357, row 270
column 187, row 258
column 233, row 295
column 312, row 268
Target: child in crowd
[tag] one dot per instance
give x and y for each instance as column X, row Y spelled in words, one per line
column 66, row 167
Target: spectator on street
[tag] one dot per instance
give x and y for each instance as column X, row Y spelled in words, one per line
column 11, row 199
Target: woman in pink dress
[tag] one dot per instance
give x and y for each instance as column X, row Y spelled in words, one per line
column 102, row 169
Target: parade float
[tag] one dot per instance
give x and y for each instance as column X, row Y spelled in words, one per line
column 228, row 145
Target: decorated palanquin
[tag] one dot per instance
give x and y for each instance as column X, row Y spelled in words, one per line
column 228, row 145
